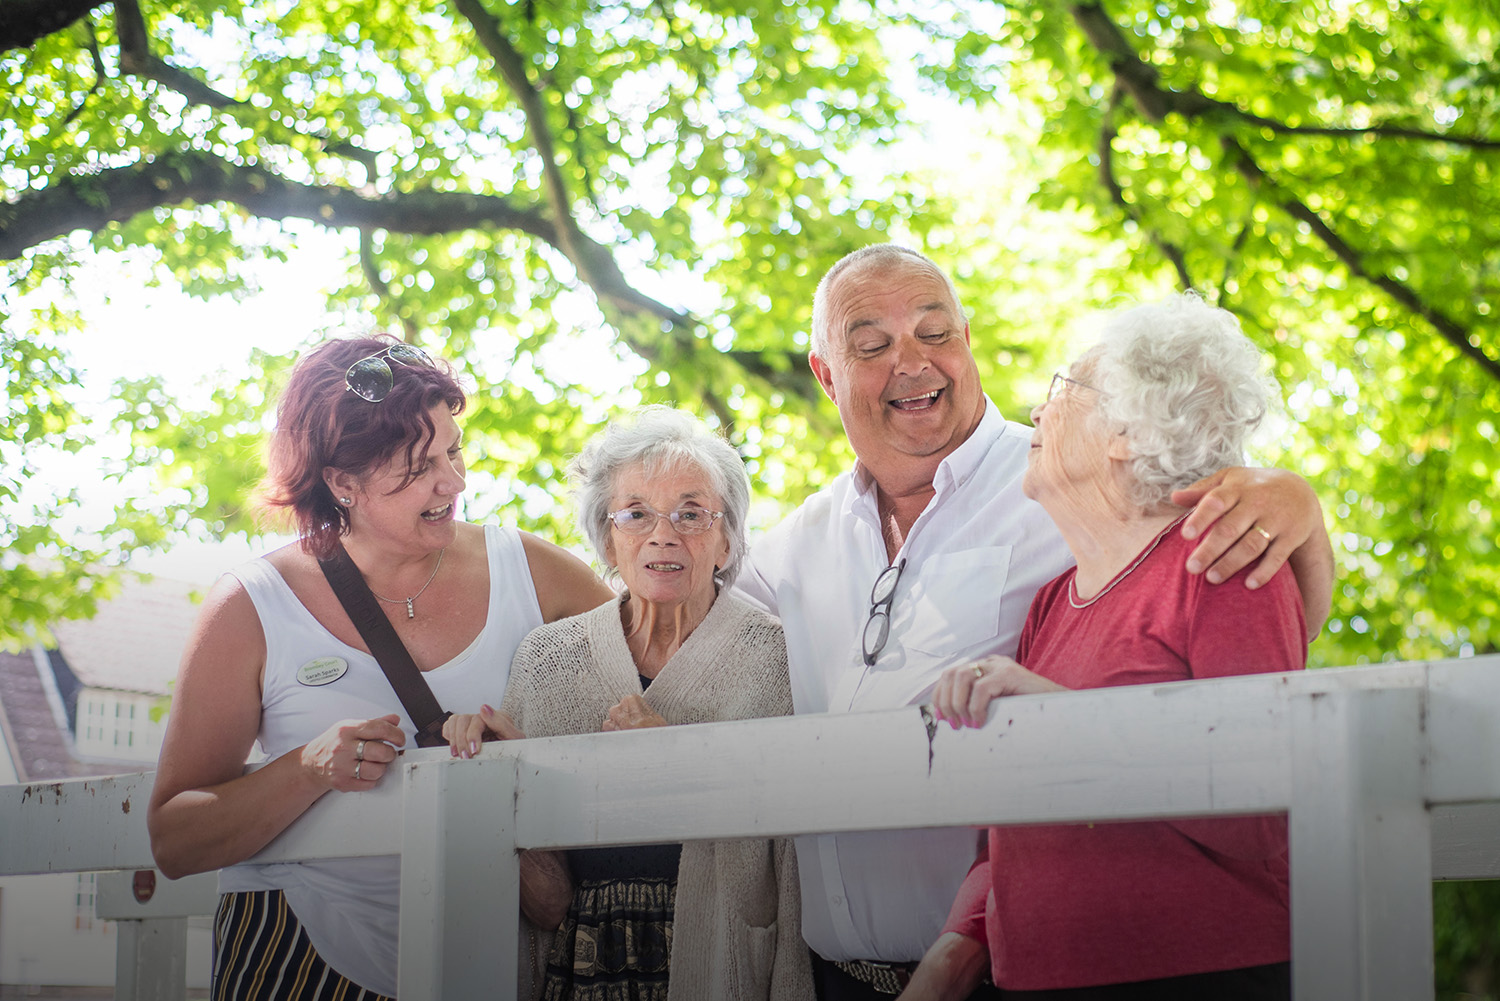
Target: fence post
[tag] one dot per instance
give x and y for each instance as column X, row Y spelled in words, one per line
column 151, row 930
column 1361, row 852
column 460, row 880
column 151, row 959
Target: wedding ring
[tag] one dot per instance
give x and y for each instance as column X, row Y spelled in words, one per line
column 359, row 751
column 978, row 671
column 356, row 768
column 1262, row 531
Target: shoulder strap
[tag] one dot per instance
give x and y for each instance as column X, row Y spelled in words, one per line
column 385, row 646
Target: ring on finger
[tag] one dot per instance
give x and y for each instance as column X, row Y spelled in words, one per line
column 359, row 751
column 1264, row 534
column 361, row 761
column 978, row 671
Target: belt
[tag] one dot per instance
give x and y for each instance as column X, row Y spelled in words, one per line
column 887, row 978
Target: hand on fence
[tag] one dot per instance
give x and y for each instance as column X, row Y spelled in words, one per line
column 964, row 693
column 466, row 731
column 353, row 754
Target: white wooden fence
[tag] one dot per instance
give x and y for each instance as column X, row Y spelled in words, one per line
column 1390, row 776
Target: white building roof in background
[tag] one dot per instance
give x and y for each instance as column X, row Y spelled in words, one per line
column 134, row 642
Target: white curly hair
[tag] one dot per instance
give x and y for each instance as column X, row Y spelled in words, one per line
column 1184, row 385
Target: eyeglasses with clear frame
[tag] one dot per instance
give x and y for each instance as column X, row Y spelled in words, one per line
column 878, row 625
column 371, row 378
column 1059, row 379
column 639, row 519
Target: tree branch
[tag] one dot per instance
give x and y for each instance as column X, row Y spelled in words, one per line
column 513, row 71
column 99, row 74
column 370, row 268
column 1170, row 250
column 1142, row 82
column 1383, row 131
column 593, row 262
column 1451, row 330
column 25, row 22
column 92, row 201
column 136, row 59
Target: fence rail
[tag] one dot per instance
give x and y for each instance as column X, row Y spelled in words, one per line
column 1390, row 776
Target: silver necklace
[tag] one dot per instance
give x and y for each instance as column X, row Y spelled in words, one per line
column 1073, row 582
column 411, row 613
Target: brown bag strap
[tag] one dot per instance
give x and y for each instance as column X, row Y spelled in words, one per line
column 385, row 646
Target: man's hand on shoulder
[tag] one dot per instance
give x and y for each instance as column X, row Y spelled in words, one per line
column 1241, row 515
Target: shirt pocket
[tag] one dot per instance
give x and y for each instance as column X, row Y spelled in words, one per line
column 955, row 602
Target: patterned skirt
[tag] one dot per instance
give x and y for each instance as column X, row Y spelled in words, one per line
column 616, row 942
column 261, row 953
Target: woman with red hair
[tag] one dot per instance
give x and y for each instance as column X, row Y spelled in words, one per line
column 367, row 459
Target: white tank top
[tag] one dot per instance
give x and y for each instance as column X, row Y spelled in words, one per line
column 312, row 679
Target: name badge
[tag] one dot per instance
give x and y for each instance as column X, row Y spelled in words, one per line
column 323, row 671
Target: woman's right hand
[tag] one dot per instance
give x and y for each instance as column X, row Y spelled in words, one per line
column 964, row 693
column 353, row 754
column 465, row 731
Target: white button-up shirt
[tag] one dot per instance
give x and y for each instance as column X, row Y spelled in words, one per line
column 974, row 558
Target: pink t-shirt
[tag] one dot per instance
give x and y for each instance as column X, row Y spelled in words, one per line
column 1091, row 904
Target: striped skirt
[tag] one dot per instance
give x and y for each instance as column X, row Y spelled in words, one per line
column 261, row 953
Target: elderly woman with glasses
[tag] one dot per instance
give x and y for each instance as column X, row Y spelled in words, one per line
column 367, row 459
column 663, row 502
column 1164, row 910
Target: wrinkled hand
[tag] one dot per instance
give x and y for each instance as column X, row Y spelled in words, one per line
column 366, row 746
column 1247, row 514
column 631, row 713
column 964, row 693
column 466, row 731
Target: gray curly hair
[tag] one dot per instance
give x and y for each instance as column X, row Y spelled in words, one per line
column 660, row 438
column 1185, row 386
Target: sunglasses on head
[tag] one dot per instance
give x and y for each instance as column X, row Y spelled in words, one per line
column 371, row 377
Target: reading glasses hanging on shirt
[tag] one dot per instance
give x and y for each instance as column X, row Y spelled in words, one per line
column 878, row 625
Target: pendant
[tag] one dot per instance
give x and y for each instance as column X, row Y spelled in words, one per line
column 410, row 612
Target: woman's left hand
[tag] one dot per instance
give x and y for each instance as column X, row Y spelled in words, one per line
column 964, row 693
column 631, row 713
column 466, row 731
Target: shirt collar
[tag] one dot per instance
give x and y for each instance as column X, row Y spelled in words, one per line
column 956, row 469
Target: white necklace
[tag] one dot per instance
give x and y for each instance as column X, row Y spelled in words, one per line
column 1073, row 582
column 410, row 611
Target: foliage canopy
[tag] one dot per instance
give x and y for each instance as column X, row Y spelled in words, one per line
column 510, row 178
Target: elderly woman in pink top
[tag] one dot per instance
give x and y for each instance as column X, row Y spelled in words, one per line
column 1160, row 910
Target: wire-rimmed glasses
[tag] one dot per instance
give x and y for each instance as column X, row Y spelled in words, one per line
column 1059, row 379
column 639, row 519
column 878, row 625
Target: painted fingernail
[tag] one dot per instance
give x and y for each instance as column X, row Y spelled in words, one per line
column 473, row 747
column 487, row 710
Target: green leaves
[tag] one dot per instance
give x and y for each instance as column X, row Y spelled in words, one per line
column 640, row 207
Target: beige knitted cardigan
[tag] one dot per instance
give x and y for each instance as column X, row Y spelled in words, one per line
column 737, row 932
